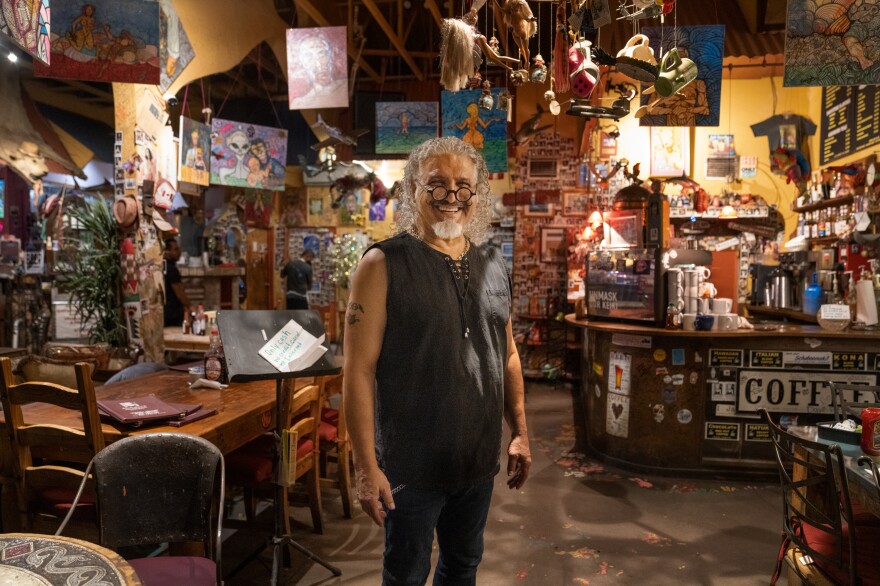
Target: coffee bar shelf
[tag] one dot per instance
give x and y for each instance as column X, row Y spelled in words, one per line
column 789, row 314
column 825, row 203
column 824, row 240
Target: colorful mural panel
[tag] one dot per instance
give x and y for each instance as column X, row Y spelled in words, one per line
column 485, row 130
column 248, row 155
column 195, row 148
column 26, row 22
column 699, row 102
column 175, row 50
column 402, row 126
column 104, row 40
column 317, row 72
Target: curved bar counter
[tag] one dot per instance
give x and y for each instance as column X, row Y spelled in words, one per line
column 684, row 402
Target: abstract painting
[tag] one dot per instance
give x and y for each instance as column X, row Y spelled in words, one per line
column 26, row 22
column 832, row 43
column 317, row 70
column 485, row 130
column 194, row 165
column 104, row 40
column 175, row 50
column 248, row 155
column 402, row 126
column 699, row 102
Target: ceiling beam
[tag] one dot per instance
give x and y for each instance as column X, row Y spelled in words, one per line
column 313, row 13
column 435, row 12
column 41, row 93
column 395, row 53
column 99, row 93
column 392, row 36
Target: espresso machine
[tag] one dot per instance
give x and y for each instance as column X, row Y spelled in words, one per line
column 782, row 286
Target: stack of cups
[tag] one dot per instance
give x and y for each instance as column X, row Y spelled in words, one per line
column 693, row 280
column 675, row 288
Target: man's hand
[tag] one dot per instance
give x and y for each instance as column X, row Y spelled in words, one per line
column 519, row 460
column 373, row 491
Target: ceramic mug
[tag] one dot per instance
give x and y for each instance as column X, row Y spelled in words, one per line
column 703, row 305
column 688, row 321
column 707, row 290
column 727, row 322
column 704, row 322
column 675, row 73
column 721, row 305
column 638, row 47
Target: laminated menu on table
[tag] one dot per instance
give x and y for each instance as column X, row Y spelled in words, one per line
column 137, row 411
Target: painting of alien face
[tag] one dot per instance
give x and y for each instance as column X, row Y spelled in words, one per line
column 248, row 155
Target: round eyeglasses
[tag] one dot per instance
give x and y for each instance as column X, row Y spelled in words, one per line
column 439, row 193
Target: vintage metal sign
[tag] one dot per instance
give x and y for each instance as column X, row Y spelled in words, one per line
column 794, row 391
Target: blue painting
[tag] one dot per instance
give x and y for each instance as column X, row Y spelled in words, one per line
column 486, row 130
column 104, row 40
column 402, row 126
column 699, row 102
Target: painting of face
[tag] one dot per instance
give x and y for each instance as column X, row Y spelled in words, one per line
column 316, row 68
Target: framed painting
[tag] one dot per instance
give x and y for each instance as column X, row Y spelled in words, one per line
column 104, row 40
column 574, row 203
column 539, row 210
column 248, row 155
column 317, row 71
column 485, row 130
column 623, row 231
column 553, row 244
column 670, row 151
column 27, row 24
column 194, row 165
column 175, row 50
column 402, row 126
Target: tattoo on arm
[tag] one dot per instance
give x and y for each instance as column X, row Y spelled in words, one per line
column 353, row 309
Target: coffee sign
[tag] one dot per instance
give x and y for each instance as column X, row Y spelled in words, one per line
column 794, row 391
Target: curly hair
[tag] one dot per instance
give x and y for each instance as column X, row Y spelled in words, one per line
column 407, row 211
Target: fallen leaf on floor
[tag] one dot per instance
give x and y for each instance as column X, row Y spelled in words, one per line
column 603, row 568
column 582, row 553
column 728, row 488
column 566, row 462
column 522, row 574
column 654, row 539
column 568, row 526
column 593, row 468
column 682, row 567
column 581, row 581
column 642, row 483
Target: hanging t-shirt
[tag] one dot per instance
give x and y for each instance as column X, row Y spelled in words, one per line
column 785, row 130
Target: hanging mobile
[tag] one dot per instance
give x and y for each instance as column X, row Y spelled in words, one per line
column 538, row 73
column 486, row 101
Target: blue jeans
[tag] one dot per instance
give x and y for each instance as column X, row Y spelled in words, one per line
column 459, row 518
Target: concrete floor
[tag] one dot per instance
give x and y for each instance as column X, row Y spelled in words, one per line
column 575, row 522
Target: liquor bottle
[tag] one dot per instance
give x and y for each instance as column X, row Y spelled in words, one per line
column 201, row 321
column 213, row 364
column 822, row 229
column 673, row 317
column 224, row 370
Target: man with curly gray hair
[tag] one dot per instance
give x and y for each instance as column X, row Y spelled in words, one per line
column 431, row 369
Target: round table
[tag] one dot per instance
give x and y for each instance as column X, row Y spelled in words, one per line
column 29, row 559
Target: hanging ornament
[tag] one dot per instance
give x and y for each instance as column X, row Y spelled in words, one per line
column 538, row 73
column 505, row 100
column 550, row 98
column 518, row 77
column 486, row 102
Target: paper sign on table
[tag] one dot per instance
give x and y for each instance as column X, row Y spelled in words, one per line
column 293, row 348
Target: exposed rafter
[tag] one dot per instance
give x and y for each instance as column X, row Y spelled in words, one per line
column 432, row 7
column 40, row 92
column 392, row 36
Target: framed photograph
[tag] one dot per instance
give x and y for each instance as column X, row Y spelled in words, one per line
column 623, row 231
column 544, row 168
column 670, row 151
column 607, row 146
column 575, row 204
column 553, row 244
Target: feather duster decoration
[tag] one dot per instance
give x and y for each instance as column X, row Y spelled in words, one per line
column 560, row 52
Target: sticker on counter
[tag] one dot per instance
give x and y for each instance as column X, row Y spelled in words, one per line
column 659, row 411
column 684, row 416
column 659, row 354
column 678, row 379
column 694, row 377
column 661, row 370
column 617, row 415
column 726, row 358
column 619, row 371
column 678, row 357
column 597, row 368
column 766, row 359
column 668, row 395
column 598, row 391
column 757, row 432
column 725, row 410
column 631, row 341
column 698, row 358
column 793, row 391
column 724, row 392
column 667, row 379
column 847, row 361
column 803, row 359
column 722, row 431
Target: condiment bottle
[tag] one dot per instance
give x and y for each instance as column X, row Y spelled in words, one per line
column 213, row 363
column 871, row 432
column 673, row 317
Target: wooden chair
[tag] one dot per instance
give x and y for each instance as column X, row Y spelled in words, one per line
column 818, row 520
column 157, row 488
column 46, row 489
column 253, row 465
column 335, row 444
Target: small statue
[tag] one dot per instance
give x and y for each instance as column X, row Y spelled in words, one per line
column 505, row 100
column 538, row 73
column 487, row 102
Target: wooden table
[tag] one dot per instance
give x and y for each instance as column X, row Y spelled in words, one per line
column 177, row 341
column 27, row 558
column 12, row 352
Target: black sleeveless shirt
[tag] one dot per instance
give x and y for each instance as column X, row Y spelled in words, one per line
column 439, row 394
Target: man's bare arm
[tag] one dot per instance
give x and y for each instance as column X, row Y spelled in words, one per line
column 519, row 458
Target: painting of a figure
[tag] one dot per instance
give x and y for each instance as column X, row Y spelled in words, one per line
column 248, row 155
column 104, row 40
column 175, row 50
column 402, row 126
column 194, row 165
column 670, row 152
column 699, row 102
column 317, row 70
column 485, row 130
column 26, row 22
column 832, row 43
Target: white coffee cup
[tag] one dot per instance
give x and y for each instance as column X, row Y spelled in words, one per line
column 703, row 305
column 687, row 321
column 722, row 305
column 703, row 272
column 727, row 322
column 707, row 290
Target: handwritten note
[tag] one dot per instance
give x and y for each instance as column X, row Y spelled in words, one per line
column 293, row 348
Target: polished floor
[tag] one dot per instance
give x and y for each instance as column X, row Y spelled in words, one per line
column 575, row 522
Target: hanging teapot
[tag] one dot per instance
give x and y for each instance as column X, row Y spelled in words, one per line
column 583, row 72
column 675, row 73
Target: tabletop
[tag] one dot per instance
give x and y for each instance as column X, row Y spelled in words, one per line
column 177, row 341
column 27, row 558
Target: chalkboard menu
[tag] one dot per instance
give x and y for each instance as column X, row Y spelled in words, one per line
column 850, row 120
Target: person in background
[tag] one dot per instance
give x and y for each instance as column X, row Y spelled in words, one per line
column 177, row 304
column 431, row 369
column 299, row 280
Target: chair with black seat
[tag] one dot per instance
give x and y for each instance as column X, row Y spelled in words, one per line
column 335, row 446
column 159, row 488
column 45, row 457
column 821, row 543
column 253, row 465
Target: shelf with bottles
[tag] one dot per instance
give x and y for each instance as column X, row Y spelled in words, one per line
column 844, row 200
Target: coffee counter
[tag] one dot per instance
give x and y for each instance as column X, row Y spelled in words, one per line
column 685, row 402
